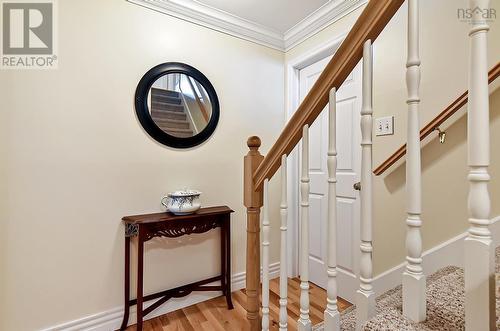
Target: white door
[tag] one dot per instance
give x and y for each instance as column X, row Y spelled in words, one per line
column 348, row 170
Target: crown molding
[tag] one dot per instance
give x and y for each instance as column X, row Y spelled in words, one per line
column 216, row 19
column 327, row 14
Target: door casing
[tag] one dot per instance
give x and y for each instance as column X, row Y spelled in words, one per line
column 292, row 102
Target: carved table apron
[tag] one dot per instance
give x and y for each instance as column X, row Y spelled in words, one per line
column 146, row 227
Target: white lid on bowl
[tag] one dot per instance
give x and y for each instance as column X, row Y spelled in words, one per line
column 185, row 193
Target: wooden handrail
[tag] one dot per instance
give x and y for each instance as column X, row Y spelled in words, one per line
column 198, row 101
column 435, row 123
column 371, row 22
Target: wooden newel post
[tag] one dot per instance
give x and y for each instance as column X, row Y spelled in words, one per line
column 253, row 201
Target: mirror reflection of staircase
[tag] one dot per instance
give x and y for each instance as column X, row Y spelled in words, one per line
column 169, row 113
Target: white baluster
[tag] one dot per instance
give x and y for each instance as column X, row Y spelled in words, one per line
column 265, row 258
column 283, row 324
column 479, row 249
column 304, row 322
column 414, row 300
column 365, row 296
column 331, row 315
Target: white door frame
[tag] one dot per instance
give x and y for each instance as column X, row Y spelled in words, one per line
column 293, row 68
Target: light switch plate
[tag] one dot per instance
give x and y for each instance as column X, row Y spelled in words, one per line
column 384, row 126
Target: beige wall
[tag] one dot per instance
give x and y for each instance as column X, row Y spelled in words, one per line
column 75, row 159
column 444, row 54
column 444, row 203
column 3, row 201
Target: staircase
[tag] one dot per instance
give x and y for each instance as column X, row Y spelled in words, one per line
column 445, row 305
column 169, row 113
column 452, row 298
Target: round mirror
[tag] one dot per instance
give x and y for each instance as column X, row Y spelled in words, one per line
column 177, row 105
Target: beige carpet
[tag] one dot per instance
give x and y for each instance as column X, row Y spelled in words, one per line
column 445, row 306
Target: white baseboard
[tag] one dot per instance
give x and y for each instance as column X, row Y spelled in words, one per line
column 111, row 319
column 347, row 284
column 450, row 252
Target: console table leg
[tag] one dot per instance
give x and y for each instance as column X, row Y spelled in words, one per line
column 223, row 250
column 127, row 284
column 227, row 238
column 140, row 271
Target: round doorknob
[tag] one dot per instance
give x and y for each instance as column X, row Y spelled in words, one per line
column 357, row 186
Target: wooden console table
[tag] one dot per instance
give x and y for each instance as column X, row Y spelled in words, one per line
column 146, row 227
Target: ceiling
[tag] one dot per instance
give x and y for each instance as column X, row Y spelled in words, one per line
column 280, row 15
column 279, row 24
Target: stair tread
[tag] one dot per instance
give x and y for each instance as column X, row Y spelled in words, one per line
column 166, row 100
column 162, row 103
column 445, row 306
column 181, row 134
column 162, row 107
column 168, row 115
column 159, row 91
column 183, row 125
column 169, row 99
column 166, row 103
column 180, row 110
column 445, row 296
column 160, row 112
column 180, row 130
column 173, row 121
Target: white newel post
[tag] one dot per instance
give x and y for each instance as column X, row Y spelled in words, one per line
column 414, row 300
column 479, row 249
column 283, row 323
column 331, row 315
column 265, row 258
column 304, row 322
column 365, row 296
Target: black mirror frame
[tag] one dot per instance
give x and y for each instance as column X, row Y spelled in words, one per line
column 144, row 116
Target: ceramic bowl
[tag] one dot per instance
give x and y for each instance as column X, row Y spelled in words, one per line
column 182, row 202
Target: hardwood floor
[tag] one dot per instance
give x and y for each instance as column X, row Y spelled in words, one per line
column 212, row 315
